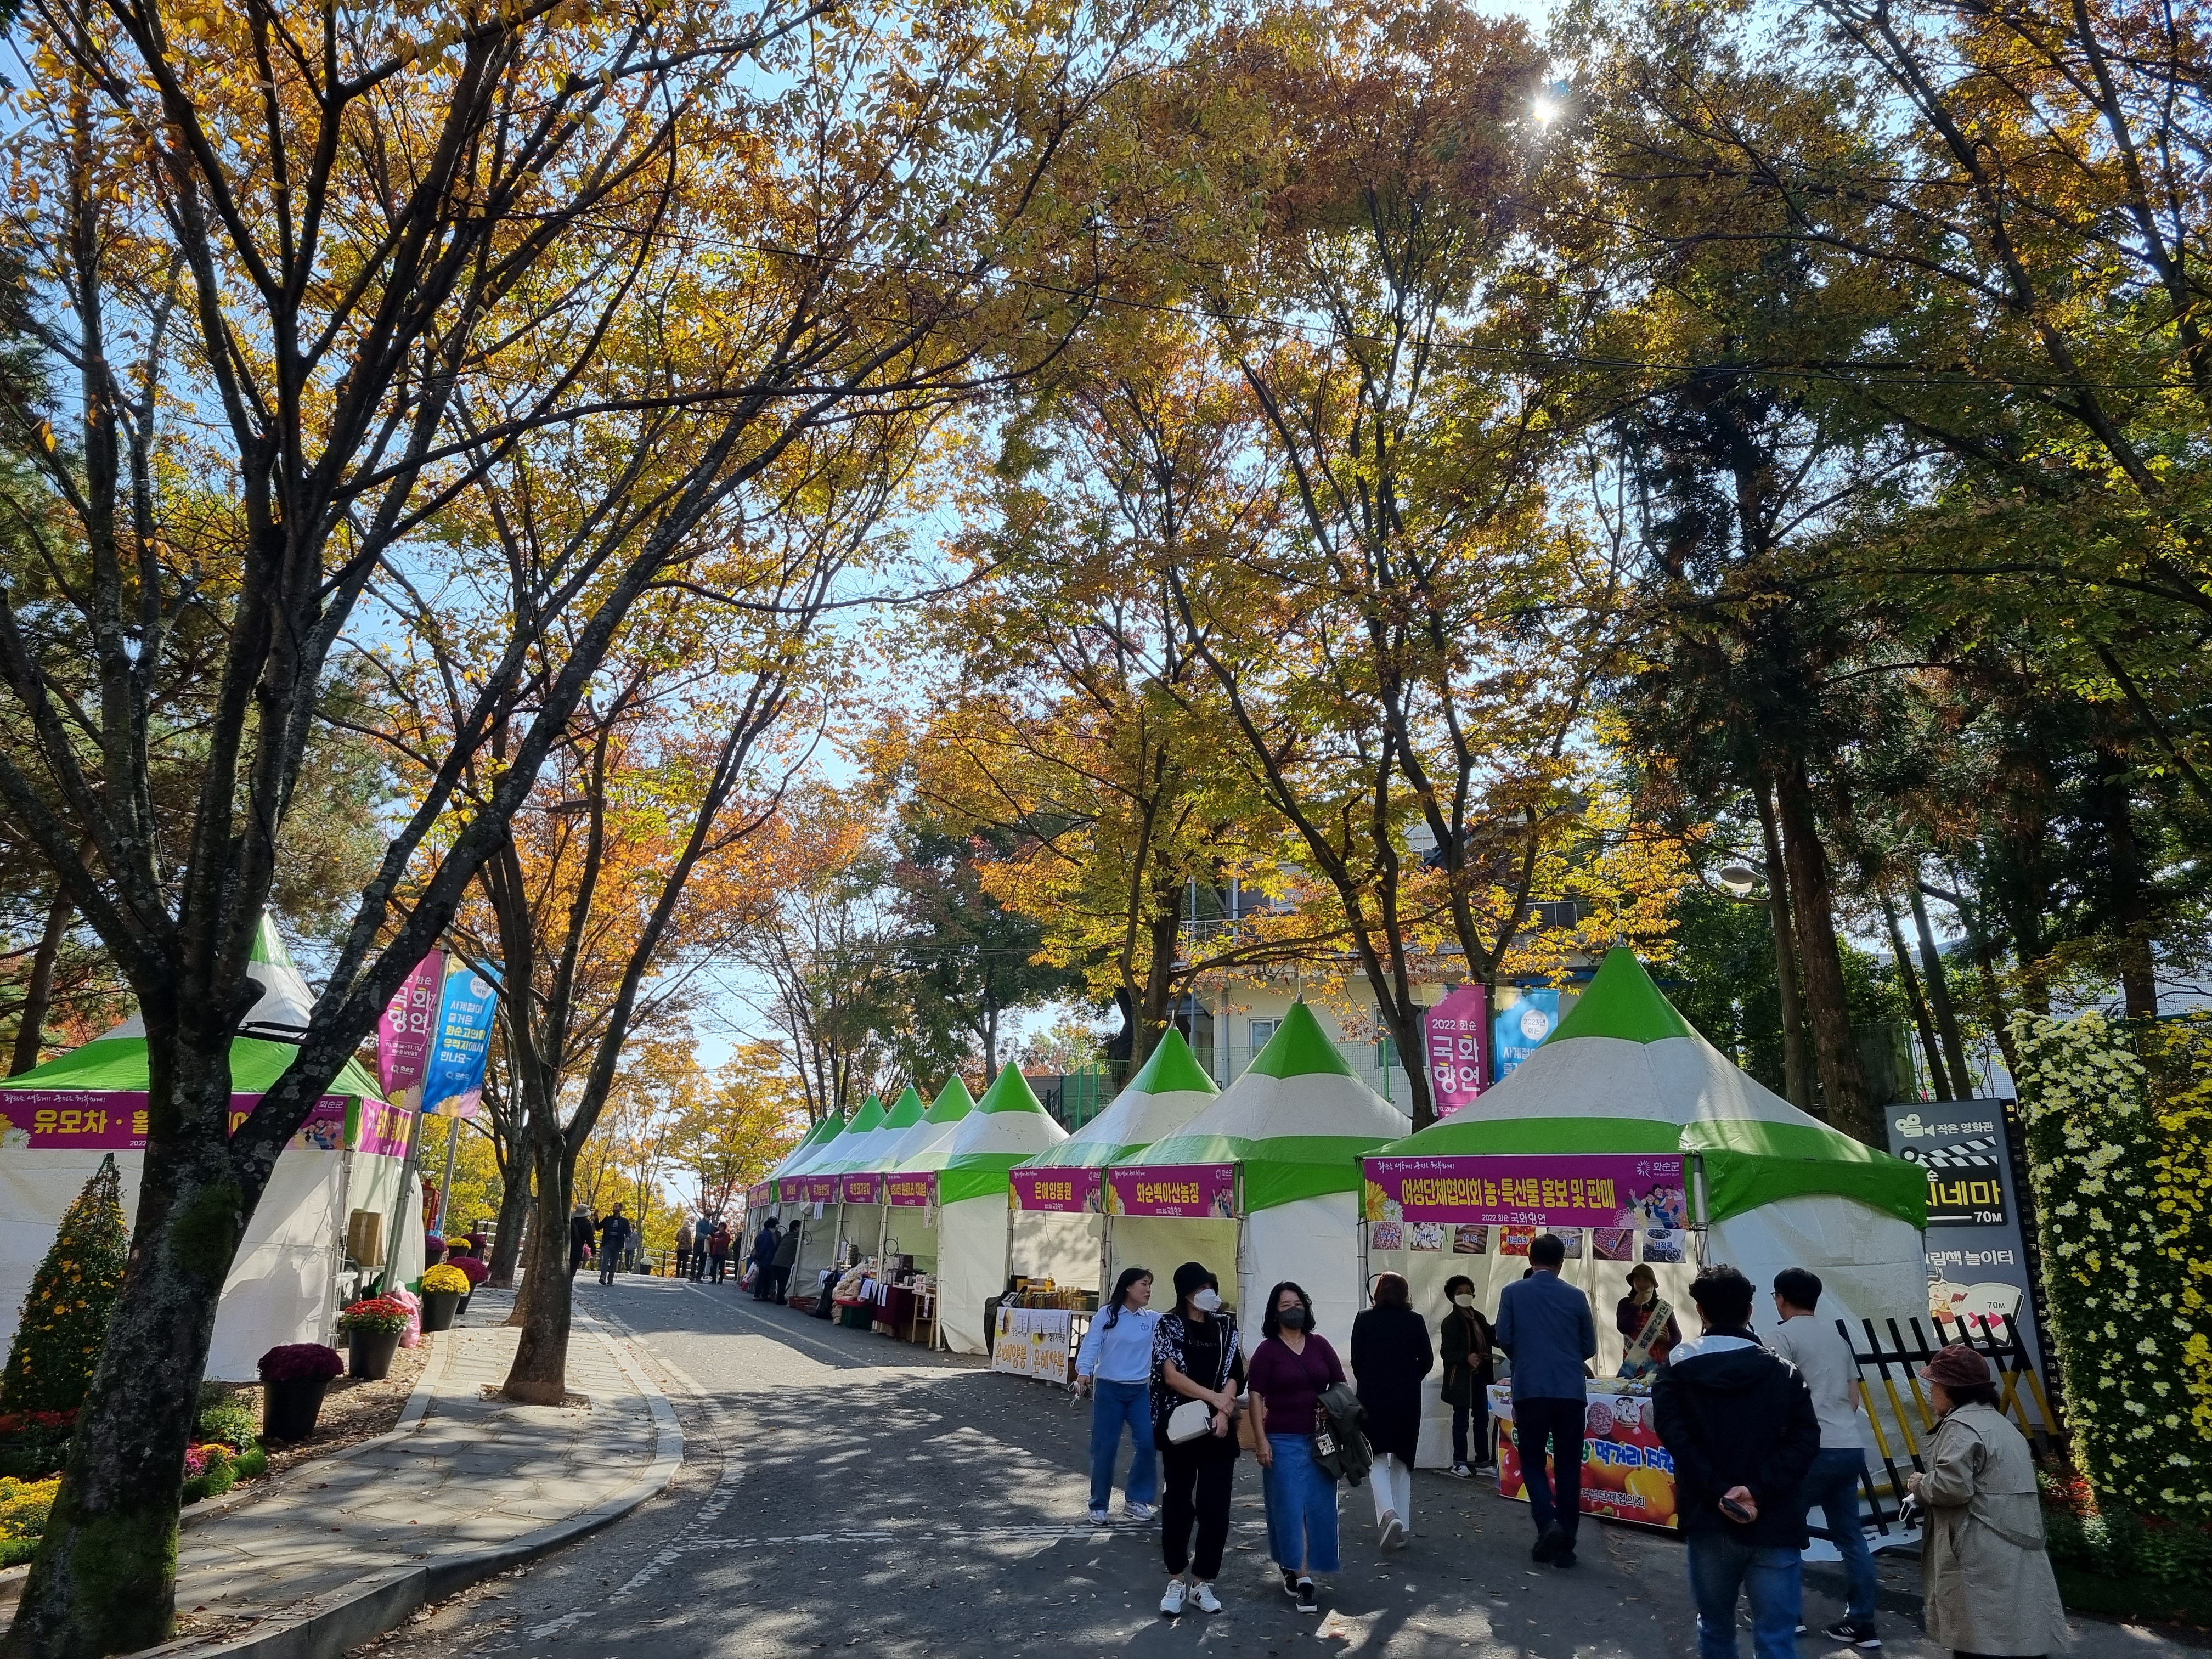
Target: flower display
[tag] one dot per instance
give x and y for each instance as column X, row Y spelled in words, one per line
column 2120, row 1141
column 301, row 1362
column 376, row 1314
column 64, row 1318
column 445, row 1281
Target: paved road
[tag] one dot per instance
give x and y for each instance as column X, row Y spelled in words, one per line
column 844, row 1492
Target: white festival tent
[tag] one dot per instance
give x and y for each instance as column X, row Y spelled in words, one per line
column 1008, row 1127
column 1295, row 1126
column 282, row 1282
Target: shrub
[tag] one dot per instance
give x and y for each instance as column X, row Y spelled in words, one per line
column 226, row 1421
column 445, row 1281
column 2117, row 1154
column 23, row 1508
column 209, row 1471
column 378, row 1314
column 64, row 1318
column 34, row 1444
column 476, row 1270
column 300, row 1362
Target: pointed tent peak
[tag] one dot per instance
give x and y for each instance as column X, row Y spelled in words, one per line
column 870, row 1116
column 906, row 1111
column 1172, row 1068
column 1621, row 1002
column 953, row 1102
column 1010, row 1091
column 268, row 943
column 1299, row 1049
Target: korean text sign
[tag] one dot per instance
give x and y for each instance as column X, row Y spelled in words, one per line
column 1574, row 1189
column 1065, row 1191
column 1183, row 1189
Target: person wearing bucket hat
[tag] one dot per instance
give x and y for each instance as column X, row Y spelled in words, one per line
column 1985, row 1575
column 1646, row 1320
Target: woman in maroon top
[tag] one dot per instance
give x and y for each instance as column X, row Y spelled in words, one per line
column 1289, row 1373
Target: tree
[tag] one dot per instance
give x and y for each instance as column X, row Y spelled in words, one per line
column 728, row 1133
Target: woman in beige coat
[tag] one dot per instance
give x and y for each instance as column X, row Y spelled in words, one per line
column 1985, row 1578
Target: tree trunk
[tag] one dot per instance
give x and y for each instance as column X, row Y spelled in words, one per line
column 38, row 991
column 1835, row 1054
column 1165, row 929
column 104, row 1580
column 539, row 1375
column 2130, row 900
column 1796, row 1062
column 1939, row 991
column 1926, row 1027
column 514, row 1213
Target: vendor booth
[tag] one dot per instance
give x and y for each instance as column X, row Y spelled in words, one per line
column 821, row 1185
column 59, row 1120
column 1061, row 1193
column 973, row 1212
column 859, row 1170
column 1266, row 1177
column 1638, row 1142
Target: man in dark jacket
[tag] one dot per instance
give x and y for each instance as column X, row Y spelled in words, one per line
column 1545, row 1324
column 763, row 1256
column 1739, row 1423
column 786, row 1257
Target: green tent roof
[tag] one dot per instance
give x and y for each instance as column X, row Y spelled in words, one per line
column 1169, row 1090
column 1009, row 1126
column 906, row 1111
column 1625, row 1072
column 119, row 1063
column 953, row 1102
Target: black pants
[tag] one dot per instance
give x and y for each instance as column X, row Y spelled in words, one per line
column 576, row 1258
column 779, row 1281
column 683, row 1263
column 721, row 1266
column 609, row 1260
column 1478, row 1415
column 1195, row 1481
column 698, row 1265
column 1557, row 1423
column 763, row 1276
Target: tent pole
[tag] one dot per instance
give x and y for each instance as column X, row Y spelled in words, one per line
column 400, row 1205
column 446, row 1188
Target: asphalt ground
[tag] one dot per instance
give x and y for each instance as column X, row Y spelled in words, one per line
column 844, row 1492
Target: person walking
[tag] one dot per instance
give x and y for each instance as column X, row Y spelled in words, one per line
column 1467, row 1341
column 1738, row 1421
column 1195, row 1357
column 683, row 1241
column 718, row 1250
column 1985, row 1572
column 614, row 1236
column 764, row 1257
column 702, row 1239
column 1290, row 1370
column 1115, row 1363
column 1831, row 1371
column 1390, row 1354
column 1545, row 1326
column 787, row 1258
column 581, row 1230
column 1646, row 1319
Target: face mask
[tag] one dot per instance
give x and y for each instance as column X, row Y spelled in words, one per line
column 1463, row 1301
column 1207, row 1301
column 1292, row 1319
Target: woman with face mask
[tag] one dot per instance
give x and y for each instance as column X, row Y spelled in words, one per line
column 1467, row 1347
column 1194, row 1356
column 1291, row 1371
column 1390, row 1355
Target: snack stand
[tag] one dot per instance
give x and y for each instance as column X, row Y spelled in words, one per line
column 1266, row 1176
column 1633, row 1138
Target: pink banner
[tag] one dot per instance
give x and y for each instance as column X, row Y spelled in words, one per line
column 911, row 1190
column 1184, row 1189
column 383, row 1131
column 819, row 1188
column 404, row 1030
column 114, row 1120
column 789, row 1189
column 1077, row 1191
column 1613, row 1190
column 761, row 1195
column 860, row 1188
column 1454, row 1031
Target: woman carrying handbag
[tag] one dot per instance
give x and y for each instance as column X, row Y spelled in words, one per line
column 1291, row 1371
column 1196, row 1371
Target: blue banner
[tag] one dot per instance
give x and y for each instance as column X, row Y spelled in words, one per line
column 454, row 1086
column 1521, row 1027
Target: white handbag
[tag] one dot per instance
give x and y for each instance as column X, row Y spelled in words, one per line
column 1188, row 1421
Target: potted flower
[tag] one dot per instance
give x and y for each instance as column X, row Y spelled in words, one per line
column 443, row 1287
column 434, row 1248
column 373, row 1328
column 293, row 1377
column 476, row 1272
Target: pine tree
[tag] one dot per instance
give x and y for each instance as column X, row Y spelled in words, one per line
column 64, row 1319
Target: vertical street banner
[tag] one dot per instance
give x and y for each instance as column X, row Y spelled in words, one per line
column 1976, row 1258
column 1520, row 1028
column 1453, row 1032
column 406, row 1027
column 453, row 1083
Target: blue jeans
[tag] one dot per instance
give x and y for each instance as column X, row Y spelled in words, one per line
column 1113, row 1404
column 1769, row 1574
column 1301, row 1499
column 1831, row 1485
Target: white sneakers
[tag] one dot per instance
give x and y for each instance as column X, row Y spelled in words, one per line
column 1200, row 1596
column 1133, row 1510
column 1099, row 1518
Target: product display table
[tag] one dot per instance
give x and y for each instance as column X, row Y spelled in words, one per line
column 1627, row 1475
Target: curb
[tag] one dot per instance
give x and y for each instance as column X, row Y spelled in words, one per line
column 328, row 1626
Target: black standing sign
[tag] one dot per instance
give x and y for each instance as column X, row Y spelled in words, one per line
column 1977, row 1261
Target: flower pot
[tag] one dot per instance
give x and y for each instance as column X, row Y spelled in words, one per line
column 288, row 1410
column 438, row 1309
column 463, row 1308
column 369, row 1353
column 433, row 1254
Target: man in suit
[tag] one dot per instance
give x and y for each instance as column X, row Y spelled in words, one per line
column 1545, row 1324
